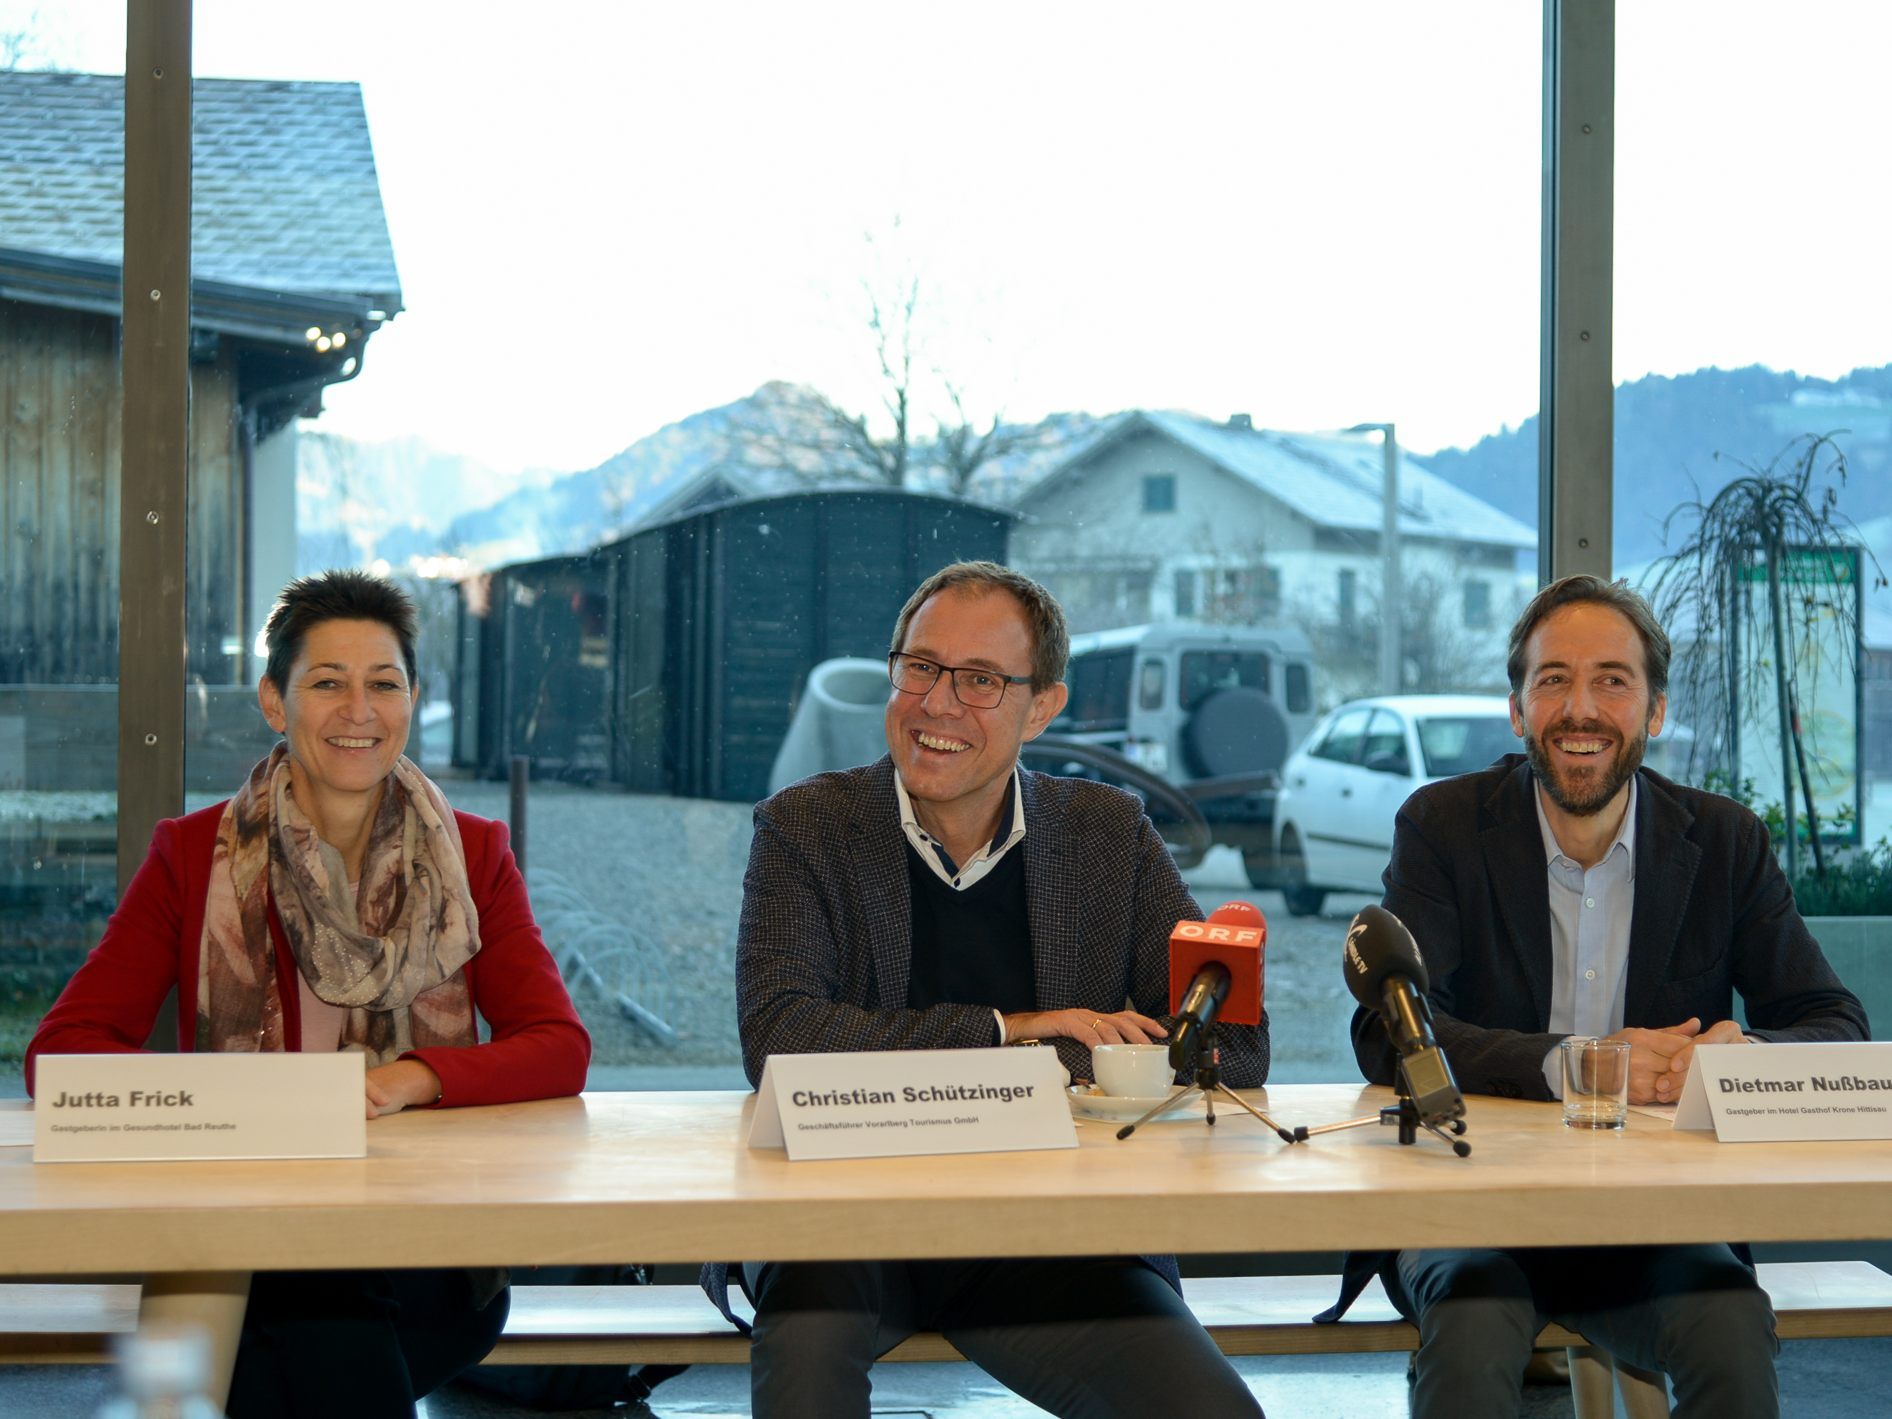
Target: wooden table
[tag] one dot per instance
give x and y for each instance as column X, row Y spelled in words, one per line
column 667, row 1177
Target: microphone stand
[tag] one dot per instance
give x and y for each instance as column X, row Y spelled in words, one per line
column 1403, row 1115
column 1208, row 1083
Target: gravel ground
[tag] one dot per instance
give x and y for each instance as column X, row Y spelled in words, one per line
column 663, row 877
column 661, row 883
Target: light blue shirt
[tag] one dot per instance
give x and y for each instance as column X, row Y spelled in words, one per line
column 1590, row 912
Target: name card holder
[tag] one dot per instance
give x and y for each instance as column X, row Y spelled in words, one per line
column 896, row 1103
column 1779, row 1092
column 121, row 1108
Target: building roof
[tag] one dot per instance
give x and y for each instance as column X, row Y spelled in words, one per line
column 285, row 198
column 1332, row 480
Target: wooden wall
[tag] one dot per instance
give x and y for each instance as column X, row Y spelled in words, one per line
column 59, row 492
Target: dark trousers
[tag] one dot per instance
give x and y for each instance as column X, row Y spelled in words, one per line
column 1090, row 1338
column 367, row 1344
column 1695, row 1313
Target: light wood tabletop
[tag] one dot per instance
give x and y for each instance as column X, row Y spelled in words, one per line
column 667, row 1177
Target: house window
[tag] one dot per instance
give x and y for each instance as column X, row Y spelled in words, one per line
column 1159, row 492
column 1268, row 593
column 1477, row 605
column 1185, row 594
column 1349, row 597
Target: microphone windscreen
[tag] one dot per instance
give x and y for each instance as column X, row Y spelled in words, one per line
column 1236, row 945
column 1378, row 946
column 1239, row 914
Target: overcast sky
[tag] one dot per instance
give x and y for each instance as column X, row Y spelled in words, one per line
column 610, row 215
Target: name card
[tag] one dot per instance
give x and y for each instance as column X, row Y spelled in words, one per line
column 892, row 1103
column 1770, row 1092
column 121, row 1108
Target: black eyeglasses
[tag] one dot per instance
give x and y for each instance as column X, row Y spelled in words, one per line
column 974, row 688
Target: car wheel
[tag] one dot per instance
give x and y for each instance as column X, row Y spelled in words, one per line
column 1302, row 899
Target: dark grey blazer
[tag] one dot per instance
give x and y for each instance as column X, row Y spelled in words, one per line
column 824, row 949
column 1713, row 915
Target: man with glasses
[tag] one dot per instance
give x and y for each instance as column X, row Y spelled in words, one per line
column 945, row 898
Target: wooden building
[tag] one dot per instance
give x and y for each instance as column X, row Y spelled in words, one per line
column 670, row 661
column 293, row 271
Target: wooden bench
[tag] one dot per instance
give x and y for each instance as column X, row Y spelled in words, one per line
column 72, row 1323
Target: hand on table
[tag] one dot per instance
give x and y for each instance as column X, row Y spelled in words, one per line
column 1089, row 1028
column 1659, row 1059
column 392, row 1087
column 1669, row 1085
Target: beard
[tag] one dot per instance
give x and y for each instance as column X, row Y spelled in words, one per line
column 1590, row 794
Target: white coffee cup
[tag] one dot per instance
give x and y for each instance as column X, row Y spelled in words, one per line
column 1133, row 1071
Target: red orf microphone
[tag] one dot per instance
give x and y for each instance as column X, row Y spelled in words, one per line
column 1215, row 973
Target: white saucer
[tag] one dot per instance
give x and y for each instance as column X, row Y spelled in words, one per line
column 1088, row 1103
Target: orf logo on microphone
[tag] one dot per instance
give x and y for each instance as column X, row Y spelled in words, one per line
column 1217, row 933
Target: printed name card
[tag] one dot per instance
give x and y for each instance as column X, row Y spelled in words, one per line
column 893, row 1103
column 1773, row 1092
column 120, row 1108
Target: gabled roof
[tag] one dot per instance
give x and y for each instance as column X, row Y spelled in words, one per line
column 1332, row 480
column 285, row 198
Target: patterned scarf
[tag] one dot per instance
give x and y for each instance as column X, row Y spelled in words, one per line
column 390, row 954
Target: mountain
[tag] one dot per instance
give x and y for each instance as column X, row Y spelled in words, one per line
column 358, row 500
column 765, row 442
column 1682, row 438
column 782, row 438
column 1678, row 439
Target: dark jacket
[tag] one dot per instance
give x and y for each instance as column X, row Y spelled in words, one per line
column 1713, row 915
column 824, row 947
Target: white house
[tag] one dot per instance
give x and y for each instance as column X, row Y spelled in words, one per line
column 1161, row 514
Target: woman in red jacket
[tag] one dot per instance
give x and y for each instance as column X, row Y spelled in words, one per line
column 337, row 902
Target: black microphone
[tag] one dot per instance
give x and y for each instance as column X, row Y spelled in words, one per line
column 1386, row 973
column 1197, row 1012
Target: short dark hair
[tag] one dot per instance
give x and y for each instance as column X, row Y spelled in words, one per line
column 1620, row 598
column 1050, row 635
column 335, row 596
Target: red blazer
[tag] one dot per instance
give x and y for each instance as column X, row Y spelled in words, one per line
column 538, row 1050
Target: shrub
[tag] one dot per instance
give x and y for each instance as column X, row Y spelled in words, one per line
column 1860, row 884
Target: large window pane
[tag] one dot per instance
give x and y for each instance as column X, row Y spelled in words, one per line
column 1754, row 408
column 724, row 327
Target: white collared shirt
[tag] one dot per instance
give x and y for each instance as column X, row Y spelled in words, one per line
column 960, row 876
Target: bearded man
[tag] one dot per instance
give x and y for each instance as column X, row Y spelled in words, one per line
column 1570, row 891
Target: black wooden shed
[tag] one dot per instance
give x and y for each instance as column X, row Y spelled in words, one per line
column 670, row 661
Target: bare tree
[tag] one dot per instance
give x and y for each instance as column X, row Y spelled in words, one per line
column 1740, row 549
column 836, row 441
column 1439, row 653
column 961, row 448
column 22, row 48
